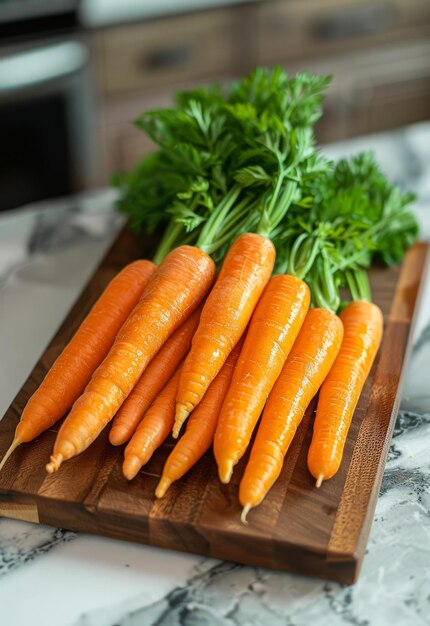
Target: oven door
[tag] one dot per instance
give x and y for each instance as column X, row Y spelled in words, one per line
column 48, row 137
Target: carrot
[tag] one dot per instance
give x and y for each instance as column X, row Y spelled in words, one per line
column 153, row 379
column 154, row 428
column 244, row 274
column 201, row 425
column 273, row 329
column 175, row 290
column 72, row 370
column 307, row 365
column 363, row 324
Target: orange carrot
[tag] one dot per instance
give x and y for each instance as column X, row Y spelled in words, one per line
column 153, row 379
column 175, row 290
column 154, row 428
column 72, row 370
column 363, row 324
column 273, row 329
column 201, row 425
column 307, row 365
column 226, row 313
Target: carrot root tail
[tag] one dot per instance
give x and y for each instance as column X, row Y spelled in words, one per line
column 13, row 446
column 244, row 514
column 181, row 415
column 162, row 486
column 225, row 472
column 118, row 436
column 319, row 481
column 131, row 466
column 55, row 463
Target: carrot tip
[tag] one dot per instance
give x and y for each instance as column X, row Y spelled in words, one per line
column 244, row 514
column 13, row 446
column 225, row 472
column 180, row 416
column 319, row 481
column 176, row 430
column 162, row 486
column 118, row 436
column 55, row 463
column 131, row 466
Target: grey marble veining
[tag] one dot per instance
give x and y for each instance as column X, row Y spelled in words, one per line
column 22, row 542
column 47, row 253
column 45, row 228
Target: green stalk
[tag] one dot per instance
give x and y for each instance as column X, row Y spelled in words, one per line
column 292, row 269
column 278, row 206
column 209, row 231
column 351, row 284
column 244, row 208
column 173, row 236
column 364, row 285
column 318, row 295
column 358, row 284
column 239, row 217
column 311, row 258
column 283, row 204
column 305, row 251
column 321, row 283
column 331, row 293
column 265, row 227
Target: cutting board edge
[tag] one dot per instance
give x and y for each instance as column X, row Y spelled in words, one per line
column 420, row 249
column 337, row 567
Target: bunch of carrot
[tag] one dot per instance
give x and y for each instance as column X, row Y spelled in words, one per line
column 164, row 346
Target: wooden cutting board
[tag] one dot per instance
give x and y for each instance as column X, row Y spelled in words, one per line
column 298, row 528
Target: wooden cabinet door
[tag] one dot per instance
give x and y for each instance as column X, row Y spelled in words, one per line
column 311, row 29
column 377, row 89
column 169, row 51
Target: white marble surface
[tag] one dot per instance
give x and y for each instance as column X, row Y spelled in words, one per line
column 54, row 577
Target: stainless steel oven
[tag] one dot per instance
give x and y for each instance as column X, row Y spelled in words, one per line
column 47, row 127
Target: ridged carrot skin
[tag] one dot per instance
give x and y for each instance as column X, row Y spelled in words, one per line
column 73, row 369
column 153, row 379
column 154, row 428
column 273, row 329
column 175, row 290
column 363, row 327
column 244, row 274
column 201, row 425
column 306, row 367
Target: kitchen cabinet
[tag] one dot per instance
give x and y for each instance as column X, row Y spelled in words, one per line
column 153, row 54
column 293, row 29
column 374, row 90
column 377, row 51
column 141, row 64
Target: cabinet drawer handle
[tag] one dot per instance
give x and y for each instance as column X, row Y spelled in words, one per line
column 362, row 20
column 174, row 56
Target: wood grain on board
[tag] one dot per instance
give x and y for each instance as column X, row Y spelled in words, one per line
column 297, row 528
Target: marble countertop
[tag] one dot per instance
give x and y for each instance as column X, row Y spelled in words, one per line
column 53, row 577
